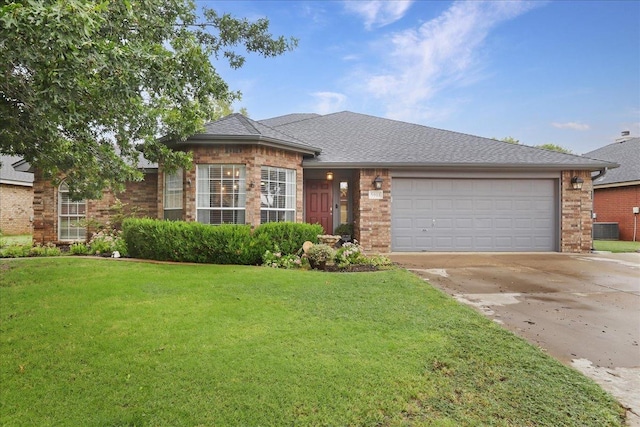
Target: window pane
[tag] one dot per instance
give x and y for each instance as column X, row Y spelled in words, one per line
column 278, row 194
column 220, row 186
column 71, row 216
column 173, row 190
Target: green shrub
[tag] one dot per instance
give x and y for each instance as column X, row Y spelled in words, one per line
column 15, row 251
column 221, row 244
column 23, row 251
column 78, row 249
column 190, row 242
column 48, row 250
column 287, row 236
column 344, row 229
column 378, row 261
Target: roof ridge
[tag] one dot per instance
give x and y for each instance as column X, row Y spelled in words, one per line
column 280, row 131
column 247, row 123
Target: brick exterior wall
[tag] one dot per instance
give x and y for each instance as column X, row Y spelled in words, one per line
column 371, row 217
column 615, row 205
column 576, row 209
column 16, row 209
column 253, row 157
column 139, row 199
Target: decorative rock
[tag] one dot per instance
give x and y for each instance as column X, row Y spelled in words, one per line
column 306, row 246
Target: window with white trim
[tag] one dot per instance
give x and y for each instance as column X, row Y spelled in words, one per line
column 71, row 216
column 277, row 194
column 173, row 190
column 221, row 194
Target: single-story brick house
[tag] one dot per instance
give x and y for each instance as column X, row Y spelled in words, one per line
column 617, row 193
column 16, row 198
column 403, row 186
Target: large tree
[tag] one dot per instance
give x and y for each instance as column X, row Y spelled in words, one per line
column 84, row 84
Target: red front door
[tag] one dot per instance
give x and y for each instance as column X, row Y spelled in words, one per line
column 319, row 203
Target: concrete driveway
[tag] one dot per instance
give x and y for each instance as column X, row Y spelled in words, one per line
column 582, row 309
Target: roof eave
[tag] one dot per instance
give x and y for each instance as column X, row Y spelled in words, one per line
column 16, row 183
column 199, row 139
column 312, row 164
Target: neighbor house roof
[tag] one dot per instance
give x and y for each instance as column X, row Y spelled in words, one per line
column 350, row 139
column 8, row 175
column 627, row 154
column 145, row 165
column 241, row 129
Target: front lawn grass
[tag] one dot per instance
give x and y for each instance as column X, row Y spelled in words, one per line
column 616, row 246
column 112, row 342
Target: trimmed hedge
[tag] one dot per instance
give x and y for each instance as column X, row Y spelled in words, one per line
column 221, row 244
column 287, row 236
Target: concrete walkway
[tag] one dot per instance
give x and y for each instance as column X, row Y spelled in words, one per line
column 582, row 309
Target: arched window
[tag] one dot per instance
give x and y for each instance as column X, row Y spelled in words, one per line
column 71, row 216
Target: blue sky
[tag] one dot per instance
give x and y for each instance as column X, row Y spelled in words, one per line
column 563, row 72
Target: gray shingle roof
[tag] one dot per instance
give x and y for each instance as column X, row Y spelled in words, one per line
column 289, row 118
column 627, row 154
column 351, row 139
column 237, row 127
column 9, row 175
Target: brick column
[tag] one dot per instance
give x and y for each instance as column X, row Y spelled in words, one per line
column 577, row 206
column 45, row 210
column 372, row 217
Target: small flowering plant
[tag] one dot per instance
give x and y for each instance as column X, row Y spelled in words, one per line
column 350, row 253
column 277, row 260
column 106, row 241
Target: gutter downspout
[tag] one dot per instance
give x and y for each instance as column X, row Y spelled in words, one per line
column 600, row 174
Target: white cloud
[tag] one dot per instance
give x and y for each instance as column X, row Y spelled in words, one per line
column 378, row 13
column 571, row 125
column 443, row 53
column 329, row 102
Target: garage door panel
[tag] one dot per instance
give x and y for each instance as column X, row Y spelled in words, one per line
column 464, row 224
column 404, row 224
column 474, row 214
column 403, row 203
column 483, row 205
column 423, row 203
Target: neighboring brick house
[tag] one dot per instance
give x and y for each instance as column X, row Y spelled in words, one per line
column 405, row 187
column 617, row 193
column 16, row 198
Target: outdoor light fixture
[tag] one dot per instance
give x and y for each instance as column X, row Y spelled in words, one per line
column 329, row 176
column 377, row 183
column 576, row 183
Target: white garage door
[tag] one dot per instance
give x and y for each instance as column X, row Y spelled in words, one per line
column 474, row 215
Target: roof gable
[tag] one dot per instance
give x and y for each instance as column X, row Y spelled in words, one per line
column 236, row 127
column 627, row 154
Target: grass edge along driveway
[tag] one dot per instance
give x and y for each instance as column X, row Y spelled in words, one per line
column 106, row 342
